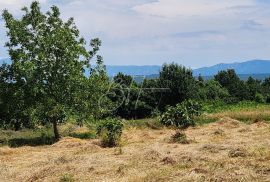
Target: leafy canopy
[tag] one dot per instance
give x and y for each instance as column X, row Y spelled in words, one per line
column 180, row 83
column 49, row 60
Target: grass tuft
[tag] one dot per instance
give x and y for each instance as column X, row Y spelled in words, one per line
column 179, row 137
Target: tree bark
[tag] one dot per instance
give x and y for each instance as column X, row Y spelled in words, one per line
column 55, row 130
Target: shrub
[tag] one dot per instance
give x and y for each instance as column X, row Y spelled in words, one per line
column 267, row 99
column 110, row 132
column 259, row 98
column 182, row 115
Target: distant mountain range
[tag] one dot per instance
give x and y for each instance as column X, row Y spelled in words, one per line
column 248, row 67
column 256, row 68
column 253, row 67
column 133, row 70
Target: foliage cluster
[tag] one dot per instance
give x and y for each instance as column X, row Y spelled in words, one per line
column 46, row 82
column 182, row 115
column 176, row 84
column 110, row 131
column 51, row 81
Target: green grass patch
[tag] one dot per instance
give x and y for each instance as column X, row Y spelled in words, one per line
column 248, row 112
column 84, row 135
column 26, row 137
column 216, row 107
column 204, row 120
column 43, row 136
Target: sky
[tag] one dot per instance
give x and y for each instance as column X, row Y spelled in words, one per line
column 194, row 33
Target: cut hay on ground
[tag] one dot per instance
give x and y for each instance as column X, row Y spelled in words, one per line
column 227, row 150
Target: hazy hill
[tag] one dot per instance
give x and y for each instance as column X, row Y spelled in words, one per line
column 256, row 68
column 133, row 70
column 253, row 67
column 248, row 67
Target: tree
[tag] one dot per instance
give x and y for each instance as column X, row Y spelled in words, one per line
column 212, row 90
column 266, row 85
column 129, row 97
column 230, row 80
column 254, row 88
column 180, row 84
column 15, row 109
column 200, row 78
column 49, row 59
column 125, row 80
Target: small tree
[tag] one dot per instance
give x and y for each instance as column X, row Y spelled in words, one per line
column 231, row 81
column 212, row 90
column 180, row 83
column 254, row 87
column 49, row 59
column 110, row 132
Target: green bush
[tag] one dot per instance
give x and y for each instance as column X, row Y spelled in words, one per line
column 182, row 115
column 267, row 99
column 110, row 132
column 259, row 98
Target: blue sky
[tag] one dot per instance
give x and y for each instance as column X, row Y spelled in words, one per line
column 195, row 33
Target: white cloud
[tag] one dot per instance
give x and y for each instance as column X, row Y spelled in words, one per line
column 174, row 8
column 154, row 31
column 15, row 5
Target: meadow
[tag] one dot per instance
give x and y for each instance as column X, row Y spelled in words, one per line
column 229, row 143
column 246, row 112
column 62, row 118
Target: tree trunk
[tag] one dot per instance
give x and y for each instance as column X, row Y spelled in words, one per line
column 55, row 130
column 17, row 125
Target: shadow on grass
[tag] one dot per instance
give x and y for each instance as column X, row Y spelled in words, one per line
column 42, row 139
column 85, row 135
column 35, row 141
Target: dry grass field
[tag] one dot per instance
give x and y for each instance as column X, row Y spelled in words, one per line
column 227, row 150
